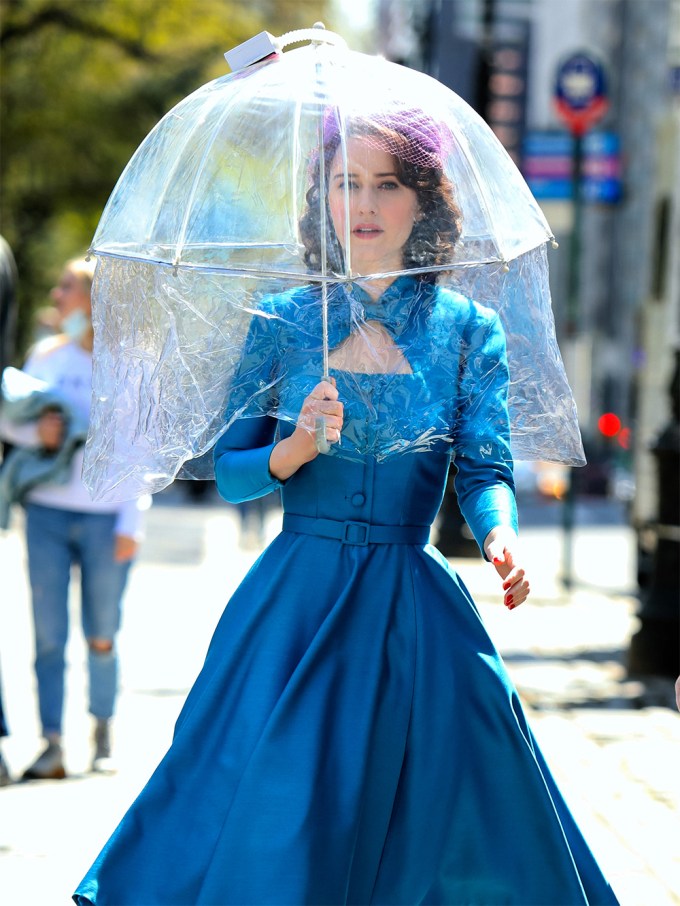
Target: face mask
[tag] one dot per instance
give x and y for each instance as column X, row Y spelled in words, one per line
column 76, row 325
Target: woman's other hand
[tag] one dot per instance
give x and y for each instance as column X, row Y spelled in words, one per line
column 51, row 430
column 322, row 404
column 502, row 548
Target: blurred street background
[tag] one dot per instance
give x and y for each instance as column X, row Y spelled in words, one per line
column 595, row 652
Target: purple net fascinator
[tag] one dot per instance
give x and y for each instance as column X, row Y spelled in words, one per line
column 405, row 132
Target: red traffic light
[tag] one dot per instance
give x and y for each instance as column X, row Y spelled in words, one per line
column 609, row 424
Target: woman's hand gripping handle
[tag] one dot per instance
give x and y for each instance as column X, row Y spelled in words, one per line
column 326, row 433
column 318, row 426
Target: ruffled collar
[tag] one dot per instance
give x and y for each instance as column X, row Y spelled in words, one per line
column 395, row 308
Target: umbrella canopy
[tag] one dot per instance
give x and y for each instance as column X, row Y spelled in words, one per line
column 225, row 207
column 221, row 182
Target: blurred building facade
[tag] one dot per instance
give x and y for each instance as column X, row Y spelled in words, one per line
column 621, row 345
column 502, row 57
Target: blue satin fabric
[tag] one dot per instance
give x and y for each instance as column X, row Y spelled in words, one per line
column 454, row 397
column 353, row 737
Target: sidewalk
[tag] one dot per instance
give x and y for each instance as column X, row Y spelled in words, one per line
column 612, row 742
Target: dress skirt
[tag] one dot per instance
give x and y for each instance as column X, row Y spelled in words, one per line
column 352, row 738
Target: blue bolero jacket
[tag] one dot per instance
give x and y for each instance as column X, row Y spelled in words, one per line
column 401, row 431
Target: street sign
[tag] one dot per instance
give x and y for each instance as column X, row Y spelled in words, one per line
column 548, row 166
column 581, row 92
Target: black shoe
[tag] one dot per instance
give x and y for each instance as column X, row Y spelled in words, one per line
column 102, row 762
column 49, row 765
column 5, row 777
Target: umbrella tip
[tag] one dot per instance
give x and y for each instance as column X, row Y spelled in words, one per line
column 554, row 243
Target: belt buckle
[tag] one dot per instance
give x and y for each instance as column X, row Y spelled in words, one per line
column 364, row 527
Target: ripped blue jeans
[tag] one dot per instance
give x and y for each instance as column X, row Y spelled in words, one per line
column 58, row 540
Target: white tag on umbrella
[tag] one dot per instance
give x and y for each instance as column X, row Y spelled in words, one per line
column 251, row 51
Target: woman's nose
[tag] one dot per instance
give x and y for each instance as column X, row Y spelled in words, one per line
column 367, row 202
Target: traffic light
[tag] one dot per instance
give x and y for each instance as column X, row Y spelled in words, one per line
column 609, row 424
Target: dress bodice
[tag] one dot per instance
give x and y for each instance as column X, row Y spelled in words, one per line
column 451, row 391
column 403, row 490
column 400, row 429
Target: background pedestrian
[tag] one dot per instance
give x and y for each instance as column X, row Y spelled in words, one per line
column 65, row 528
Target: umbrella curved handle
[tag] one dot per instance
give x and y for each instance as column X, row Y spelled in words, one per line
column 317, row 35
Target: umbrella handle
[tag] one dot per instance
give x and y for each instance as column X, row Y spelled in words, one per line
column 320, row 439
column 317, row 35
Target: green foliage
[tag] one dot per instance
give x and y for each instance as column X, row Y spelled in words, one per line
column 83, row 82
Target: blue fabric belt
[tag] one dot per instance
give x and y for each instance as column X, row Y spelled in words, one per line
column 360, row 533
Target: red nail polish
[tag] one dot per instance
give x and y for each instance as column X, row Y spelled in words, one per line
column 509, row 600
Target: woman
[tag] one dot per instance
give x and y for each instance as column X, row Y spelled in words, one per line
column 353, row 736
column 65, row 527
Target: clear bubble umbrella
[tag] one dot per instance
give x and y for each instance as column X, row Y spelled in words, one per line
column 229, row 282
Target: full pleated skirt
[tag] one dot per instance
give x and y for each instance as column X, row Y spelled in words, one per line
column 352, row 738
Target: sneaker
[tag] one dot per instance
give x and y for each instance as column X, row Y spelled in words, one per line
column 102, row 762
column 49, row 765
column 5, row 777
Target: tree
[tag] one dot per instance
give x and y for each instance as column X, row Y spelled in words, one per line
column 83, row 81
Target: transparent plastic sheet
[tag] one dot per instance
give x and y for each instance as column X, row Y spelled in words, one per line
column 229, row 281
column 178, row 359
column 543, row 416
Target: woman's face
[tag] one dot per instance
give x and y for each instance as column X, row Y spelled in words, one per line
column 71, row 294
column 381, row 209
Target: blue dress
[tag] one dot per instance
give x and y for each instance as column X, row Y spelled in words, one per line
column 353, row 736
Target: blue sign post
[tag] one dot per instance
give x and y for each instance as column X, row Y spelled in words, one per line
column 580, row 101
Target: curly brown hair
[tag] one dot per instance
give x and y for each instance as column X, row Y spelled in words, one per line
column 434, row 233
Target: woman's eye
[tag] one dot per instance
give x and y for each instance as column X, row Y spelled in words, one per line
column 389, row 184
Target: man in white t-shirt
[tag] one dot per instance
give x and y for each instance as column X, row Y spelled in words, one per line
column 65, row 527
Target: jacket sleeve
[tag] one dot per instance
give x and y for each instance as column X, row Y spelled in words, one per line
column 26, row 393
column 483, row 462
column 22, row 400
column 241, row 455
column 242, row 460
